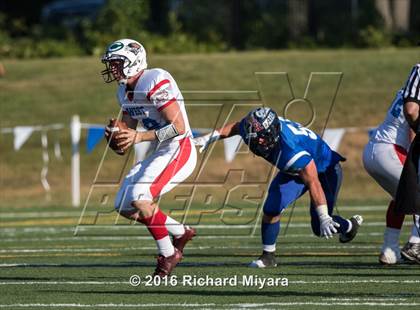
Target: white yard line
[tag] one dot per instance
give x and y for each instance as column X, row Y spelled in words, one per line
column 219, row 306
column 44, row 229
column 58, row 305
column 47, row 214
column 41, row 214
column 207, row 247
column 329, row 304
column 121, row 238
column 56, row 229
column 389, row 281
column 370, row 281
column 125, row 238
column 63, row 282
column 366, row 299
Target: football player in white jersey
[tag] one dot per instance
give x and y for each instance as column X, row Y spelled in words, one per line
column 152, row 97
column 384, row 158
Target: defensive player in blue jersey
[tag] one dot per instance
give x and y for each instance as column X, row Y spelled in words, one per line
column 306, row 163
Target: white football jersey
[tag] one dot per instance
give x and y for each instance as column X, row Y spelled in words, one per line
column 154, row 91
column 394, row 129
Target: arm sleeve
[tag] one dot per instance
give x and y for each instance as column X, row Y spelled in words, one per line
column 161, row 93
column 297, row 161
column 412, row 87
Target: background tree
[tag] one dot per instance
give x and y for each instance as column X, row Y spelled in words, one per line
column 158, row 20
column 298, row 14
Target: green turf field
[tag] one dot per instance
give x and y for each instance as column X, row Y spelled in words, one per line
column 44, row 266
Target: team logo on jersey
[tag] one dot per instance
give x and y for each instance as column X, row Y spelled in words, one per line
column 162, row 95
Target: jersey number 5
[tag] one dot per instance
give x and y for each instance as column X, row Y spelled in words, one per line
column 302, row 131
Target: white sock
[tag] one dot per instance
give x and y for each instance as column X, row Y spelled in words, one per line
column 175, row 228
column 415, row 238
column 350, row 226
column 165, row 246
column 269, row 247
column 391, row 237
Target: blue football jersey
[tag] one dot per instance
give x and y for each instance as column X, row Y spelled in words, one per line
column 297, row 146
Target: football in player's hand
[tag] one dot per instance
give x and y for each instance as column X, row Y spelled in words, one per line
column 111, row 134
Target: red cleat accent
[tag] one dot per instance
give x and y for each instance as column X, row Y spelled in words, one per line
column 180, row 242
column 165, row 265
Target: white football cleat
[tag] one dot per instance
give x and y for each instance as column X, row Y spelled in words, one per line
column 257, row 264
column 390, row 255
column 267, row 259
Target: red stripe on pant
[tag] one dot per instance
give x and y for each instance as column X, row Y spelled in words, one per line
column 156, row 225
column 173, row 167
column 401, row 153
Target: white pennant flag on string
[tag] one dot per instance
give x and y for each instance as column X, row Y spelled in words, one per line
column 333, row 137
column 57, row 150
column 45, row 160
column 231, row 147
column 21, row 135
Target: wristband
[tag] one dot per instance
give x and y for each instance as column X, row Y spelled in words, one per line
column 214, row 136
column 322, row 210
column 166, row 133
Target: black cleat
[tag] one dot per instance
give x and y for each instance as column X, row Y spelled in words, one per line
column 267, row 259
column 411, row 252
column 356, row 221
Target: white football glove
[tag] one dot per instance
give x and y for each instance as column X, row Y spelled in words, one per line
column 327, row 225
column 205, row 141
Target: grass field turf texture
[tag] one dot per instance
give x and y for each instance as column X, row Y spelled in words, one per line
column 44, row 266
